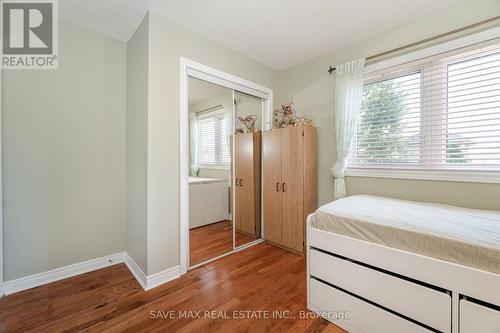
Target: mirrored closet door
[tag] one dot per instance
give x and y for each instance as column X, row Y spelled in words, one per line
column 225, row 180
column 210, row 178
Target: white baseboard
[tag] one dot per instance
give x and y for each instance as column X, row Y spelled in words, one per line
column 35, row 280
column 146, row 282
column 167, row 275
column 136, row 271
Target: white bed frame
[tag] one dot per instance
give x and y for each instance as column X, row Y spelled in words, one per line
column 388, row 290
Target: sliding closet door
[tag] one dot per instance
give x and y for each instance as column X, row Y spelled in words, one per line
column 271, row 154
column 210, row 110
column 292, row 187
column 247, row 138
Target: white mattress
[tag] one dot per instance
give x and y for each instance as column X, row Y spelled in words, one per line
column 200, row 180
column 463, row 236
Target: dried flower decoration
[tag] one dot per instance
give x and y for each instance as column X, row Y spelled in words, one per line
column 286, row 116
column 246, row 125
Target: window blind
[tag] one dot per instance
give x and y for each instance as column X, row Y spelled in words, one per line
column 437, row 113
column 213, row 147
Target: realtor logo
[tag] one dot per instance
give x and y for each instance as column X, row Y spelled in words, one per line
column 29, row 34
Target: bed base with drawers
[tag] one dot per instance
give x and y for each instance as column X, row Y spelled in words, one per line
column 366, row 287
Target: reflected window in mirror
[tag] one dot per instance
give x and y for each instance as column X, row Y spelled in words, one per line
column 213, row 140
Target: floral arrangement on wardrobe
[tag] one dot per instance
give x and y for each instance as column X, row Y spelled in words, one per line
column 287, row 116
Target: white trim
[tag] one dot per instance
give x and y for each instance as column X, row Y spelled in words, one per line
column 2, row 291
column 472, row 39
column 163, row 277
column 136, row 271
column 247, row 245
column 224, row 79
column 441, row 175
column 200, row 71
column 233, row 170
column 211, row 260
column 476, row 176
column 35, row 280
column 184, row 168
column 147, row 282
column 236, row 250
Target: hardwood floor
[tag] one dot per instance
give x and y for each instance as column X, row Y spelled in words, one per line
column 212, row 240
column 262, row 278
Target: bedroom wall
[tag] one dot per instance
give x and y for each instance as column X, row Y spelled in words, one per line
column 168, row 42
column 310, row 87
column 137, row 143
column 64, row 156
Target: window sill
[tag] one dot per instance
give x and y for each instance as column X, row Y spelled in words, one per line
column 439, row 175
column 214, row 166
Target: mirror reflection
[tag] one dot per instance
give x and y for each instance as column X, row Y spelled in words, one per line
column 210, row 128
column 225, row 128
column 247, row 168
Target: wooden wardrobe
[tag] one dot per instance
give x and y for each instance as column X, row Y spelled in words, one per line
column 247, row 165
column 290, row 184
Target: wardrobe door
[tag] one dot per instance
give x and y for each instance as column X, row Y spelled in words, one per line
column 292, row 187
column 257, row 181
column 245, row 187
column 271, row 154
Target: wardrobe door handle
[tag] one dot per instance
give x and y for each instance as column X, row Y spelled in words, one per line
column 236, row 181
column 277, row 187
column 283, row 187
column 241, row 182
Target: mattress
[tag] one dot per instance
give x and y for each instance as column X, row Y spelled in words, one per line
column 200, row 180
column 463, row 236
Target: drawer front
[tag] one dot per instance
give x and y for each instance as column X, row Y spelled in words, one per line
column 425, row 305
column 363, row 317
column 477, row 318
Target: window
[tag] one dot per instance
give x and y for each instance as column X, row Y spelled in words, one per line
column 440, row 113
column 389, row 125
column 213, row 146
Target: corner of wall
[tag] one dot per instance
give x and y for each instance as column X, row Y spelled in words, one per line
column 137, row 143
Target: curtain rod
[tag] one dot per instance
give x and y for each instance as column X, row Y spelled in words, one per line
column 423, row 41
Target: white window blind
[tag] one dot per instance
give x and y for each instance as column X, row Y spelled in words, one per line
column 213, row 147
column 439, row 113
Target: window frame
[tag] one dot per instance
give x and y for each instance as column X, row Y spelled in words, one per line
column 220, row 115
column 423, row 60
column 379, row 78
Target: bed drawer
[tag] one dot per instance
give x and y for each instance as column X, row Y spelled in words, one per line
column 425, row 305
column 363, row 317
column 477, row 318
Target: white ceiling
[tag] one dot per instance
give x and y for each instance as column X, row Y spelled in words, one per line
column 278, row 33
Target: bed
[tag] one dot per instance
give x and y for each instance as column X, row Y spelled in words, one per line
column 208, row 201
column 402, row 266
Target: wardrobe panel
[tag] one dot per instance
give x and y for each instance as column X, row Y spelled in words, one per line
column 271, row 154
column 292, row 155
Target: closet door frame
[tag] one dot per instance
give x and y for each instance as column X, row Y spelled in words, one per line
column 194, row 69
